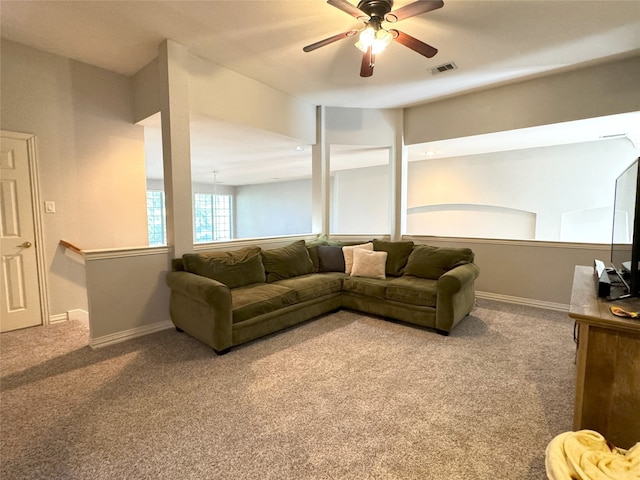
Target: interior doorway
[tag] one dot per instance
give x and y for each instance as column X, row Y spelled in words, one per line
column 22, row 284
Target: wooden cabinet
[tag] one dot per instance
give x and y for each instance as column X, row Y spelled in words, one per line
column 608, row 364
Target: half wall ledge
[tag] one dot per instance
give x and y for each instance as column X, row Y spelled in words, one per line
column 72, row 251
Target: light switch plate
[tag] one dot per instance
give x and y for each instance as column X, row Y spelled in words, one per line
column 50, row 206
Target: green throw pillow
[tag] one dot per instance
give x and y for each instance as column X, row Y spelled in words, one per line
column 286, row 262
column 235, row 269
column 397, row 255
column 312, row 248
column 426, row 261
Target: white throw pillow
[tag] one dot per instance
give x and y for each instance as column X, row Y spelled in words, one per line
column 368, row 263
column 348, row 254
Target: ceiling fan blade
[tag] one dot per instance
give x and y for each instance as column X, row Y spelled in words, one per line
column 413, row 9
column 414, row 44
column 368, row 59
column 329, row 40
column 349, row 8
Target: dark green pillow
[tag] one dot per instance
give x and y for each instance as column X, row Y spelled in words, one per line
column 331, row 258
column 286, row 262
column 235, row 269
column 426, row 261
column 177, row 265
column 397, row 255
column 312, row 248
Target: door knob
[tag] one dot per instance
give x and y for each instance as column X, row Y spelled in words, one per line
column 25, row 245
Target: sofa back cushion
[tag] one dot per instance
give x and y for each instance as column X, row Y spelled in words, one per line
column 330, row 258
column 312, row 248
column 426, row 261
column 286, row 262
column 177, row 265
column 235, row 268
column 397, row 255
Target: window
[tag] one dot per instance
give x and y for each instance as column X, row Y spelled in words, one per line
column 156, row 218
column 212, row 217
column 273, row 208
column 554, row 193
column 360, row 190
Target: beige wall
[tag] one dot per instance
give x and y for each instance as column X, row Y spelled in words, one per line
column 90, row 157
column 219, row 92
column 589, row 92
column 360, row 126
column 128, row 295
column 146, row 91
column 536, row 273
column 232, row 97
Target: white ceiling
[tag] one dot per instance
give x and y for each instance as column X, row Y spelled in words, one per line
column 491, row 42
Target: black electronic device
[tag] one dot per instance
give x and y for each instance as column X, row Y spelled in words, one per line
column 601, row 279
column 625, row 239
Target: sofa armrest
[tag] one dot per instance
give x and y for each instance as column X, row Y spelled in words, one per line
column 455, row 295
column 199, row 288
column 452, row 281
column 201, row 307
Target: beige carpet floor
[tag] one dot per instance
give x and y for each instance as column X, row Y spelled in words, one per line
column 346, row 396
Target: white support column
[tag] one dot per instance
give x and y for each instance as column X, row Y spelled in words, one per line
column 399, row 163
column 320, row 176
column 176, row 145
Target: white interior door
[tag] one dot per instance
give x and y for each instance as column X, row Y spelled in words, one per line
column 19, row 286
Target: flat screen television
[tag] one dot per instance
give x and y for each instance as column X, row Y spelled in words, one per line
column 625, row 242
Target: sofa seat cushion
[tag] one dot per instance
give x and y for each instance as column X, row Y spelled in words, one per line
column 253, row 300
column 370, row 287
column 413, row 290
column 316, row 285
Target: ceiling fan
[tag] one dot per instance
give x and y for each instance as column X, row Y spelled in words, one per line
column 373, row 37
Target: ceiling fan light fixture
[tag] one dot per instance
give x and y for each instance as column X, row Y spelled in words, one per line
column 373, row 39
column 366, row 38
column 377, row 39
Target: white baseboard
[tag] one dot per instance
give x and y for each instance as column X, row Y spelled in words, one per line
column 61, row 317
column 118, row 337
column 79, row 315
column 523, row 301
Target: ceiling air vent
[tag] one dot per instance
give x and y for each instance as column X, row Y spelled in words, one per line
column 443, row 68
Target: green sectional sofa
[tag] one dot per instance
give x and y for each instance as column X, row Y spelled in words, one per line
column 228, row 298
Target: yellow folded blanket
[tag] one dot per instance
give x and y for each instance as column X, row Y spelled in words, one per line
column 586, row 455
